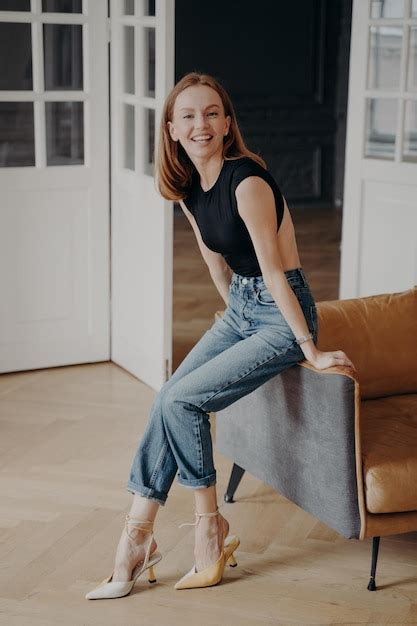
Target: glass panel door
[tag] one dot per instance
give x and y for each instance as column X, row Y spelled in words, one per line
column 379, row 245
column 42, row 93
column 391, row 93
column 137, row 28
column 142, row 73
column 54, row 181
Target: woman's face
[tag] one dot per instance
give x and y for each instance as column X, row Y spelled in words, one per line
column 198, row 122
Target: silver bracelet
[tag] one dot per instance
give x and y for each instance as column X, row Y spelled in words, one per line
column 304, row 338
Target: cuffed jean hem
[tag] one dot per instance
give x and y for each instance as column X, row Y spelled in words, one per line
column 198, row 483
column 147, row 492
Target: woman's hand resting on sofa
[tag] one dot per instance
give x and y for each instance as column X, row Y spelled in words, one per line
column 321, row 360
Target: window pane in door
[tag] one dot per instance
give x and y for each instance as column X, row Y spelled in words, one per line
column 414, row 9
column 64, row 133
column 15, row 56
column 384, row 57
column 63, row 56
column 129, row 59
column 129, row 137
column 14, row 5
column 62, row 6
column 129, row 7
column 150, row 143
column 410, row 131
column 387, row 8
column 412, row 61
column 150, row 61
column 380, row 127
column 149, row 7
column 17, row 139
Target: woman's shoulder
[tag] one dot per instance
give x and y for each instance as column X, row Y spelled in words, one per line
column 243, row 167
column 243, row 162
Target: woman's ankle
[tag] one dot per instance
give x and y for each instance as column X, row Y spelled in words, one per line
column 144, row 508
column 206, row 499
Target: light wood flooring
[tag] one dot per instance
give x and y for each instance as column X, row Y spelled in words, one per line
column 68, row 436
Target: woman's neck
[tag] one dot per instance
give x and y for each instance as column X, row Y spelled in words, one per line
column 209, row 171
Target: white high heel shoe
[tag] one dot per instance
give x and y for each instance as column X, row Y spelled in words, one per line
column 118, row 589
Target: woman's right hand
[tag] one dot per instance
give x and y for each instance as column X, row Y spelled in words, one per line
column 322, row 360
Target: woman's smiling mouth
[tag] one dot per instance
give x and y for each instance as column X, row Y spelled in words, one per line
column 202, row 138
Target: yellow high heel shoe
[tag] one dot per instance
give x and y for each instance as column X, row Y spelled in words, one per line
column 213, row 574
column 118, row 589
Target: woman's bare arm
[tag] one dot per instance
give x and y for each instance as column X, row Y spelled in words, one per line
column 256, row 206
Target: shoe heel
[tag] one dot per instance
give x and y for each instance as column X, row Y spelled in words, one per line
column 231, row 561
column 151, row 575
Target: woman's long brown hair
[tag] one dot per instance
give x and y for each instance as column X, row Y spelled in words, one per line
column 174, row 169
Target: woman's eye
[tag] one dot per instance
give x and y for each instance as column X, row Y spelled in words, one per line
column 188, row 115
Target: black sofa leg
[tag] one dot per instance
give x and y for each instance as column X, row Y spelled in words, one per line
column 375, row 547
column 235, row 478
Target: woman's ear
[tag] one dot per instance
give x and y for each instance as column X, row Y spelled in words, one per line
column 171, row 130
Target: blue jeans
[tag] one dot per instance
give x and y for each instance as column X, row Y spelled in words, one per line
column 250, row 344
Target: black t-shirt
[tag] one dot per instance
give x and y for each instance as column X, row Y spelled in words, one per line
column 215, row 211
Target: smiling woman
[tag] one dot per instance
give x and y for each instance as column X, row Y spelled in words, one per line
column 198, row 121
column 246, row 236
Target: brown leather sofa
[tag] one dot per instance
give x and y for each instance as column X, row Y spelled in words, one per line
column 343, row 446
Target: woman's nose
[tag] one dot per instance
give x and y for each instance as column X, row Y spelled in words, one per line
column 200, row 121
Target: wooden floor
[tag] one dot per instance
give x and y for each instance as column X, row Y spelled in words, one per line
column 68, row 436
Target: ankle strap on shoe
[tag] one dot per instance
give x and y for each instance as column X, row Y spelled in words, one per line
column 134, row 521
column 198, row 515
column 137, row 524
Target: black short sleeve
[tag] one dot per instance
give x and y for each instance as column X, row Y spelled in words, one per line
column 249, row 167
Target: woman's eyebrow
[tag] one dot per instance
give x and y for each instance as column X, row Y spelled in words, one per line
column 191, row 108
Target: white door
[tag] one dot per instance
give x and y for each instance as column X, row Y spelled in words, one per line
column 54, row 206
column 142, row 73
column 379, row 231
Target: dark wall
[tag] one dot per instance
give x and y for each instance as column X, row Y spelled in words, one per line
column 280, row 62
column 342, row 96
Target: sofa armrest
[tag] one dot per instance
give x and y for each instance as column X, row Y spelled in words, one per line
column 300, row 433
column 349, row 372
